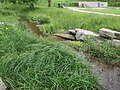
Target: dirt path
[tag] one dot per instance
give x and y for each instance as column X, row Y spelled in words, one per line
column 99, row 13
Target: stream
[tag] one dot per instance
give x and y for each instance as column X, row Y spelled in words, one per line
column 109, row 75
column 33, row 26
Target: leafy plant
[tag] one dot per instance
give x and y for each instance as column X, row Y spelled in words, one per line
column 40, row 19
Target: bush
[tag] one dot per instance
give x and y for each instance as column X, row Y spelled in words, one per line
column 73, row 4
column 40, row 19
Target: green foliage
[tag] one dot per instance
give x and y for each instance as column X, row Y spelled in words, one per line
column 104, row 51
column 48, row 28
column 115, row 4
column 66, row 19
column 23, row 1
column 32, row 63
column 40, row 19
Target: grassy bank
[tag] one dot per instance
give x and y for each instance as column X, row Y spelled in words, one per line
column 62, row 19
column 105, row 52
column 65, row 19
column 32, row 63
column 28, row 62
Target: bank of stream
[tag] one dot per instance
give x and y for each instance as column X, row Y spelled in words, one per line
column 109, row 75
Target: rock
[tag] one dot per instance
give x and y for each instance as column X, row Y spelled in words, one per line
column 84, row 34
column 99, row 39
column 66, row 36
column 117, row 34
column 114, row 42
column 107, row 33
column 72, row 32
column 78, row 29
column 2, row 85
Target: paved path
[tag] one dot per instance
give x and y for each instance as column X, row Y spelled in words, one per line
column 78, row 10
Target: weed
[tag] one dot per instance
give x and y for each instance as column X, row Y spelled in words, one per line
column 104, row 51
column 40, row 19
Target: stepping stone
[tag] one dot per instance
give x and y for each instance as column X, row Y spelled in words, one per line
column 66, row 36
column 84, row 34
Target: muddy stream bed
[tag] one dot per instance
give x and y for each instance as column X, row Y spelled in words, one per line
column 109, row 75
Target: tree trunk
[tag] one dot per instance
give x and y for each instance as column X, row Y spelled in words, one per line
column 32, row 6
column 49, row 3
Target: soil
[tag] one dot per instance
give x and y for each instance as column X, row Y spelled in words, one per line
column 33, row 26
column 109, row 75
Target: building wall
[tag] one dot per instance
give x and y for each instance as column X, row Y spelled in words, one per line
column 92, row 4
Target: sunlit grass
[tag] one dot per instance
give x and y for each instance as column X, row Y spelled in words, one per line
column 66, row 19
column 105, row 10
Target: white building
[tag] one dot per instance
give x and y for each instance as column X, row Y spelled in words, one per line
column 92, row 4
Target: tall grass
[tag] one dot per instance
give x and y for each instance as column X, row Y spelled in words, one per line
column 61, row 18
column 106, row 52
column 31, row 63
column 66, row 19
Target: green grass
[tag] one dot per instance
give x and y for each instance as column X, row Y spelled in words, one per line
column 106, row 52
column 66, row 19
column 62, row 18
column 104, row 10
column 31, row 63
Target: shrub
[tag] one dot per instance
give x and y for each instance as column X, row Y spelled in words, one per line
column 40, row 19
